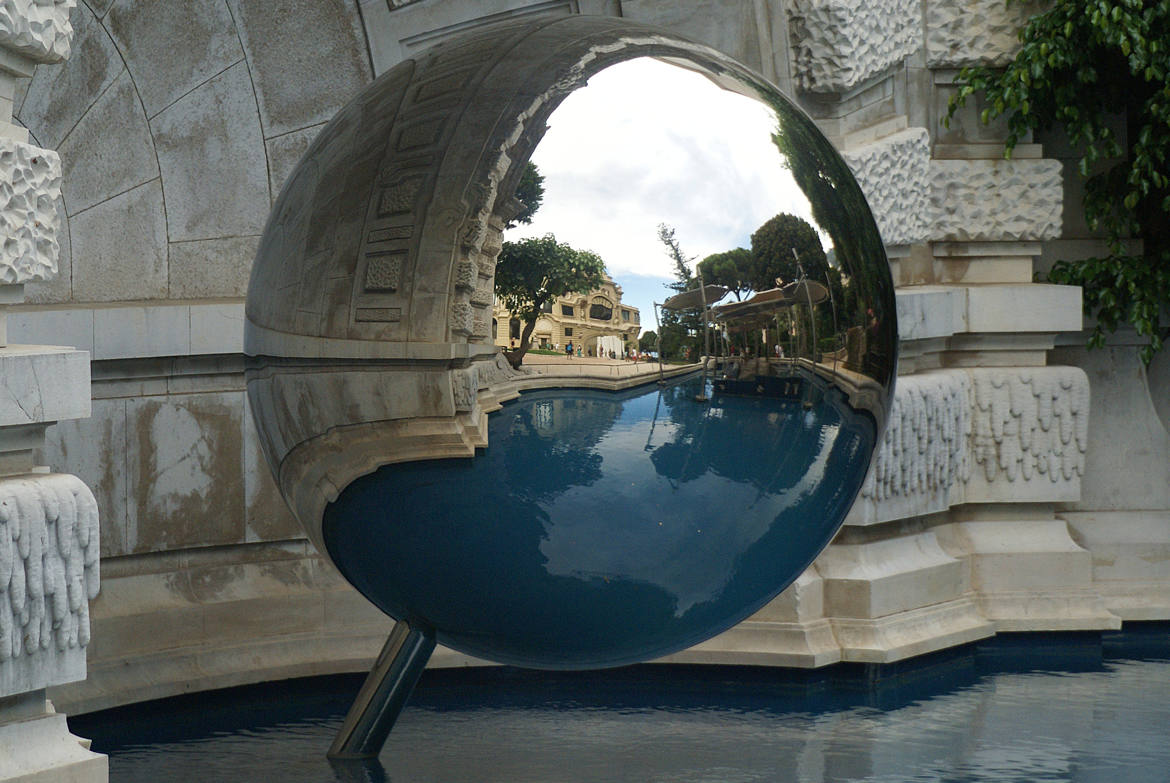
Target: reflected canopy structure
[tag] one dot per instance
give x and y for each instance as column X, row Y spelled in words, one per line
column 563, row 528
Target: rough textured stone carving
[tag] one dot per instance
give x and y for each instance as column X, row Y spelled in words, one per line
column 925, row 446
column 28, row 212
column 1016, row 424
column 48, row 563
column 894, row 174
column 995, row 200
column 974, row 32
column 1031, row 423
column 384, row 273
column 838, row 44
column 39, row 29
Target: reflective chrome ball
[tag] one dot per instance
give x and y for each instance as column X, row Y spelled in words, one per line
column 562, row 521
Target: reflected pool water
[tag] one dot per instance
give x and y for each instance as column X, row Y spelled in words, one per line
column 1071, row 707
column 601, row 528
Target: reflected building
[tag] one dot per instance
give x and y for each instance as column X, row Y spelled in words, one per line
column 577, row 318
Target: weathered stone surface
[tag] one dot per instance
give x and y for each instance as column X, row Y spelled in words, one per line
column 208, row 268
column 297, row 85
column 1003, row 200
column 28, row 212
column 121, row 245
column 141, row 332
column 109, row 151
column 42, row 384
column 978, row 435
column 838, row 44
column 171, row 48
column 267, row 515
column 181, row 448
column 48, row 574
column 924, row 456
column 283, row 153
column 59, row 288
column 38, row 29
column 41, row 748
column 94, row 449
column 728, row 25
column 1128, row 463
column 212, row 159
column 1029, row 424
column 58, row 95
column 975, row 32
column 217, row 328
column 894, row 175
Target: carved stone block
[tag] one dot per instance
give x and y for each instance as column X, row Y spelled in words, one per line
column 995, row 200
column 48, row 574
column 838, row 44
column 38, row 29
column 29, row 222
column 994, row 434
column 894, row 174
column 974, row 32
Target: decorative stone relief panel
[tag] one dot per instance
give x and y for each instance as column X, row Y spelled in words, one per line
column 48, row 570
column 39, row 29
column 924, row 450
column 894, row 174
column 974, row 32
column 995, row 200
column 28, row 212
column 1030, row 423
column 838, row 44
column 1010, row 434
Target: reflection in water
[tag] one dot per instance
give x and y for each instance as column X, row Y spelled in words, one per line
column 986, row 714
column 600, row 528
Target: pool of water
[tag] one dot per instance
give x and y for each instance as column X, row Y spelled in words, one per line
column 1066, row 707
column 601, row 528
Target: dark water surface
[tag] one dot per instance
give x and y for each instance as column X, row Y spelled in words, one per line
column 1064, row 707
column 601, row 528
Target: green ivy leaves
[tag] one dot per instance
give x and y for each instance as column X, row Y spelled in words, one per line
column 1082, row 65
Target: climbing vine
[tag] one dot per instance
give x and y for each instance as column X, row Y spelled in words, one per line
column 1098, row 69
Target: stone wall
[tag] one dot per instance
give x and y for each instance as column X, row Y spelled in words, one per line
column 48, row 521
column 990, row 507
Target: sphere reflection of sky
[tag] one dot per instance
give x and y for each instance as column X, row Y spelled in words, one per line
column 646, row 142
column 599, row 528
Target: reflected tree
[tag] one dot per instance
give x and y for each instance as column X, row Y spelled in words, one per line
column 733, row 269
column 533, row 272
column 680, row 329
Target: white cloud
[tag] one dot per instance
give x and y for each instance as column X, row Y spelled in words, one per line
column 647, row 143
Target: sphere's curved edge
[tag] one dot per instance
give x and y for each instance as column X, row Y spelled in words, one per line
column 369, row 310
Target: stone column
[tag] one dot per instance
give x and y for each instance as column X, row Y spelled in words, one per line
column 49, row 537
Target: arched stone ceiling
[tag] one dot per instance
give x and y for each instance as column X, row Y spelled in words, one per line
column 177, row 123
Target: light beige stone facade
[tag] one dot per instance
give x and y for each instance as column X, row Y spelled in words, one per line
column 578, row 319
column 991, row 506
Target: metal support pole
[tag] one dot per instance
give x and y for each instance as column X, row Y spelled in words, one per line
column 384, row 693
column 658, row 323
column 702, row 395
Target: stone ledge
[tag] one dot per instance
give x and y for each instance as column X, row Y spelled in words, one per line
column 936, row 311
column 41, row 750
column 136, row 330
column 43, row 384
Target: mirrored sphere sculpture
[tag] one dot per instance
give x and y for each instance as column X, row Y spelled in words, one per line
column 591, row 524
